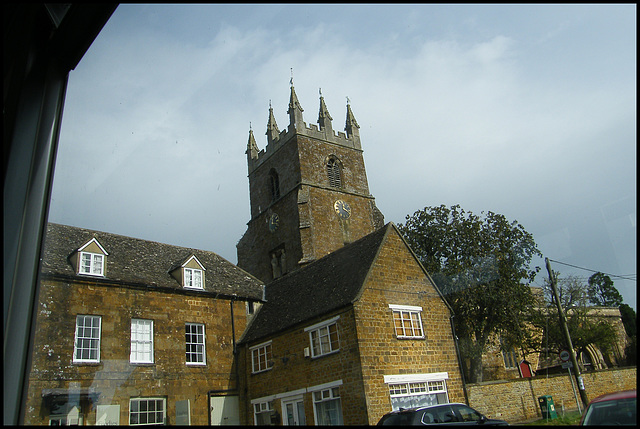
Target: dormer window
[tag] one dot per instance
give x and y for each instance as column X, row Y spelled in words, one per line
column 190, row 273
column 193, row 278
column 91, row 259
column 91, row 264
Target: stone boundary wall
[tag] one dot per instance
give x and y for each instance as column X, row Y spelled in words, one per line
column 517, row 400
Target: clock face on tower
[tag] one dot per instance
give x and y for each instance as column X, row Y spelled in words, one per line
column 273, row 222
column 343, row 209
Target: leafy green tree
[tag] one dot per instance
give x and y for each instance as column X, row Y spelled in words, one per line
column 629, row 321
column 584, row 328
column 482, row 265
column 602, row 292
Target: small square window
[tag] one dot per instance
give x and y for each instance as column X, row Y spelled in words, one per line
column 261, row 358
column 147, row 411
column 193, row 278
column 324, row 340
column 91, row 264
column 407, row 321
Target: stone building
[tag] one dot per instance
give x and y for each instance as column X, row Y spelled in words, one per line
column 308, row 191
column 350, row 337
column 499, row 364
column 352, row 326
column 130, row 331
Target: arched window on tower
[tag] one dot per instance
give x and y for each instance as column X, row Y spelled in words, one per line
column 334, row 173
column 275, row 185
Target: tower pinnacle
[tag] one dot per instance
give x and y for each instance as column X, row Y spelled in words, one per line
column 351, row 125
column 272, row 127
column 324, row 118
column 295, row 110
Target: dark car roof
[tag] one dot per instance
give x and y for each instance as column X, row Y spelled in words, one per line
column 616, row 395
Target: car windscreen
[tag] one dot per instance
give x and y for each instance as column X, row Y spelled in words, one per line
column 620, row 412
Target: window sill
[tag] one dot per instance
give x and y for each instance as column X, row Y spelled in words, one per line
column 325, row 354
column 86, row 363
column 261, row 371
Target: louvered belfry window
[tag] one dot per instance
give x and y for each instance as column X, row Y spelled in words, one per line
column 275, row 185
column 333, row 171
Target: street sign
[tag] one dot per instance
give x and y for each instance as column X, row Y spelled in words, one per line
column 565, row 356
column 567, row 365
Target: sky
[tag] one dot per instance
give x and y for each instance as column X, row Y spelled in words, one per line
column 524, row 110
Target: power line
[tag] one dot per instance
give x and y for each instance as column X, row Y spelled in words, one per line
column 626, row 277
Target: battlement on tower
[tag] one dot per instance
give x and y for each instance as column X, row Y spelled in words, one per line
column 323, row 130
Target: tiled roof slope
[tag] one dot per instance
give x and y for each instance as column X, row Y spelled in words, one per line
column 327, row 284
column 140, row 262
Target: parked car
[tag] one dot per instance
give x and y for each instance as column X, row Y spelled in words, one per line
column 617, row 408
column 447, row 414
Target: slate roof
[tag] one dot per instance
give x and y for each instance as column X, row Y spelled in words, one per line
column 327, row 284
column 140, row 262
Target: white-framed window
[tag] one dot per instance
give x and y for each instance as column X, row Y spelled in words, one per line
column 194, row 339
column 91, row 264
column 86, row 347
column 407, row 321
column 193, row 278
column 261, row 357
column 141, row 341
column 327, row 406
column 417, row 390
column 147, row 411
column 324, row 337
column 262, row 412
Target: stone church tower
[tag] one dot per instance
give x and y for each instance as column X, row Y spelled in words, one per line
column 309, row 193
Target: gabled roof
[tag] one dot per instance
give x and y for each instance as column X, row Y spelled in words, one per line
column 93, row 240
column 141, row 262
column 327, row 284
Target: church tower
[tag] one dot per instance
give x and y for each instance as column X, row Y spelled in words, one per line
column 309, row 193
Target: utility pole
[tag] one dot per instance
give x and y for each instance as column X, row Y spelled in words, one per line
column 567, row 337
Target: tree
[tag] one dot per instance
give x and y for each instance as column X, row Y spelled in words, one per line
column 584, row 327
column 602, row 292
column 481, row 265
column 629, row 321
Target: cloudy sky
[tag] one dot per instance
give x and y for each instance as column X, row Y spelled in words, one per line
column 527, row 111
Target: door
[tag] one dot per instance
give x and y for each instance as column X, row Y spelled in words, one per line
column 293, row 412
column 224, row 410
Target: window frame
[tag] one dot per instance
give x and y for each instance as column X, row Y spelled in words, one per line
column 78, row 350
column 268, row 356
column 262, row 407
column 433, row 385
column 138, row 342
column 92, row 264
column 316, row 331
column 319, row 399
column 274, row 185
column 147, row 411
column 203, row 353
column 191, row 276
column 510, row 359
column 407, row 324
column 334, row 172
